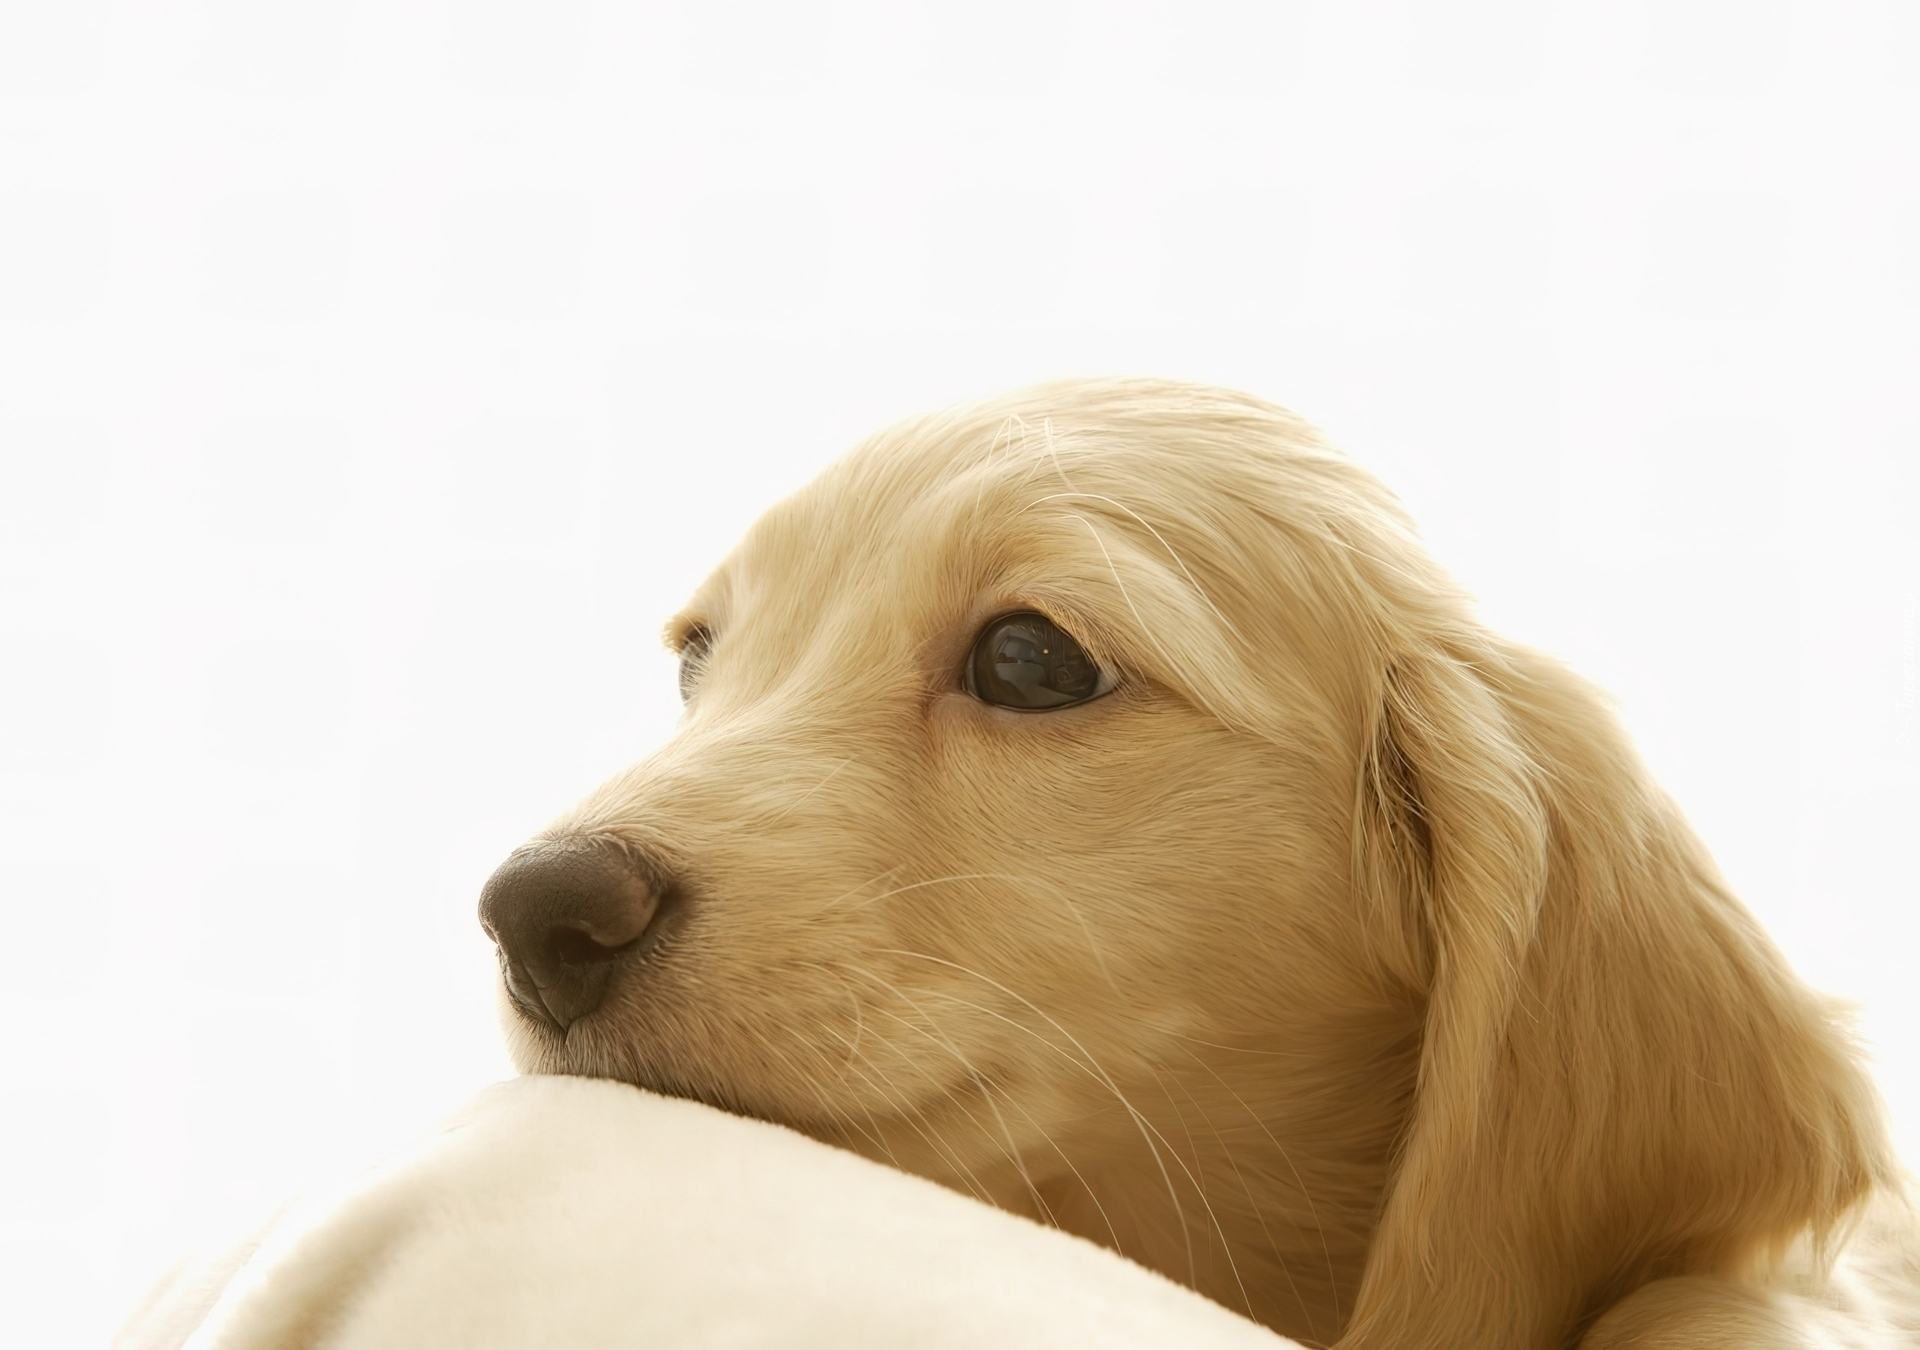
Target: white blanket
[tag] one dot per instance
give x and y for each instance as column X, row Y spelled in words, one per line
column 573, row 1213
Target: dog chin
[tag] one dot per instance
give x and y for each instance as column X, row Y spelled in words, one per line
column 536, row 1047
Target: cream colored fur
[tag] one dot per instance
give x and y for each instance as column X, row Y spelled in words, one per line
column 1343, row 963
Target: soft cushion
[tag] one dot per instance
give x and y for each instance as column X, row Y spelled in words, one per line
column 587, row 1214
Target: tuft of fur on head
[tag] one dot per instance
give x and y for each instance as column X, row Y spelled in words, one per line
column 1343, row 962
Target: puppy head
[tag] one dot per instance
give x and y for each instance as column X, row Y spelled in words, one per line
column 889, row 910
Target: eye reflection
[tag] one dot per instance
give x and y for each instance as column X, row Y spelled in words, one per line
column 1024, row 661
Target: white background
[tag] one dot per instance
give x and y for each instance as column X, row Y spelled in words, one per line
column 375, row 378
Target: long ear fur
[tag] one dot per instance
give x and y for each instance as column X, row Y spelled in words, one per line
column 1620, row 1079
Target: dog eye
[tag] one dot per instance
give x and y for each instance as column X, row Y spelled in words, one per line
column 693, row 658
column 1023, row 661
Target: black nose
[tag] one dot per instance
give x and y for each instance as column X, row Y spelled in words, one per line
column 561, row 912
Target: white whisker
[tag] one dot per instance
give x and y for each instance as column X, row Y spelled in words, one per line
column 1093, row 1066
column 1009, row 1148
column 917, row 885
column 1197, row 1175
column 905, row 1111
column 782, row 815
column 1333, row 1283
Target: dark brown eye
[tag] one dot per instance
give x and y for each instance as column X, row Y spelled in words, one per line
column 1024, row 661
column 693, row 658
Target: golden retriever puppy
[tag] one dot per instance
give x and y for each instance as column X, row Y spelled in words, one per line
column 1097, row 800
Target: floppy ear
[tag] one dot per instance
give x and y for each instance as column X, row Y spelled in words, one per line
column 1619, row 1079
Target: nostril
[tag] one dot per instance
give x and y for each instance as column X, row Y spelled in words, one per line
column 575, row 947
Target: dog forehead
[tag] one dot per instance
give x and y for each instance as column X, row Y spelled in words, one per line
column 832, row 545
column 883, row 527
column 901, row 554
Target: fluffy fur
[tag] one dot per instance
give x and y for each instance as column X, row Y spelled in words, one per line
column 1343, row 962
